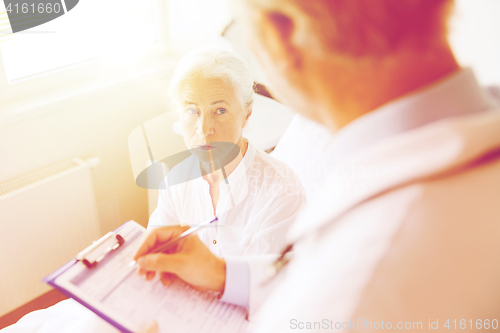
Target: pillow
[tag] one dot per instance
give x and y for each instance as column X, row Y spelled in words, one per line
column 268, row 122
column 304, row 147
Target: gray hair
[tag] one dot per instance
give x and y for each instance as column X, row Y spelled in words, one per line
column 211, row 62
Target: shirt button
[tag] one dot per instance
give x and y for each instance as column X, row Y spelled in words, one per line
column 215, row 242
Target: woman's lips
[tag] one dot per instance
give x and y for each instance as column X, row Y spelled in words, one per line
column 205, row 147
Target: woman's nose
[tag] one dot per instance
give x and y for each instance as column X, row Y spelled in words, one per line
column 205, row 126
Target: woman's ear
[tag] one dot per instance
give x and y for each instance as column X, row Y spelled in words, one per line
column 249, row 113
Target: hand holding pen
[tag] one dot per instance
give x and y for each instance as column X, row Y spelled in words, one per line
column 189, row 259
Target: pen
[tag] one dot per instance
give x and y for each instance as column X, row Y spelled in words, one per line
column 190, row 231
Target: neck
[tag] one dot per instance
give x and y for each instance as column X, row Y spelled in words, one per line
column 349, row 90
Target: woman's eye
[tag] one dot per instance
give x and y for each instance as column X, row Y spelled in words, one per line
column 221, row 111
column 191, row 111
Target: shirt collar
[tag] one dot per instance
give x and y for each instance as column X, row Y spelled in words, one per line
column 455, row 95
column 242, row 168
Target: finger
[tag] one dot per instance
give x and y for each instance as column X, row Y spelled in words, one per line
column 156, row 236
column 148, row 243
column 151, row 328
column 169, row 263
column 143, row 272
column 167, row 278
column 150, row 275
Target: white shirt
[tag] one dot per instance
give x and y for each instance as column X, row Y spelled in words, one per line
column 254, row 210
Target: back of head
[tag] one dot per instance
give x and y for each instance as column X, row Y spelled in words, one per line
column 335, row 60
column 370, row 27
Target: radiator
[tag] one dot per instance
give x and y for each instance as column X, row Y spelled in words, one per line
column 46, row 218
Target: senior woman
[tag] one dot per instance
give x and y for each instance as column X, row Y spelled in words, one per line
column 254, row 196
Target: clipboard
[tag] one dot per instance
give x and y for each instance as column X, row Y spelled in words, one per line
column 90, row 257
column 101, row 280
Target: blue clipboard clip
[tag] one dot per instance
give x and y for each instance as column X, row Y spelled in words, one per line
column 99, row 249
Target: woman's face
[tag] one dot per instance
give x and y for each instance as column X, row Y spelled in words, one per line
column 211, row 112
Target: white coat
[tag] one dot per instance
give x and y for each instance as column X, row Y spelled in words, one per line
column 416, row 241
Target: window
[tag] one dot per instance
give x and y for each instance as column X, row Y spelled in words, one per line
column 94, row 28
column 475, row 37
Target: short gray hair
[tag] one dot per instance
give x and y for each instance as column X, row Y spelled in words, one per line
column 211, row 62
